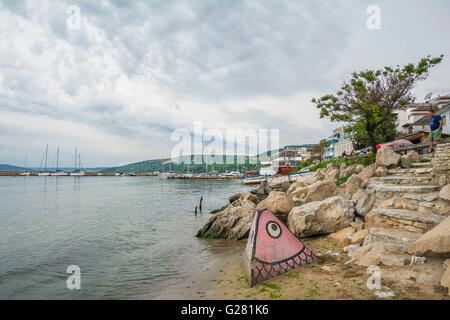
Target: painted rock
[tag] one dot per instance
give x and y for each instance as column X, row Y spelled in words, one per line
column 272, row 249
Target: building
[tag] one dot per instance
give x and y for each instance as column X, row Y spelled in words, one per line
column 339, row 142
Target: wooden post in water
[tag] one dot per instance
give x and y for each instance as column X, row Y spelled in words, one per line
column 201, row 200
column 195, row 210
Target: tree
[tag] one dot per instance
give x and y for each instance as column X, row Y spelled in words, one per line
column 387, row 131
column 320, row 148
column 369, row 98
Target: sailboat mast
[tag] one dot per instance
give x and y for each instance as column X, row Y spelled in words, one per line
column 75, row 158
column 57, row 159
column 46, row 151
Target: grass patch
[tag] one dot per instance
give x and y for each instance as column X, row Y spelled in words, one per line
column 271, row 286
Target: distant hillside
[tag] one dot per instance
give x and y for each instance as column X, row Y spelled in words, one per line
column 8, row 167
column 180, row 165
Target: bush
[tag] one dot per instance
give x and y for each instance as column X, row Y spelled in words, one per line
column 366, row 160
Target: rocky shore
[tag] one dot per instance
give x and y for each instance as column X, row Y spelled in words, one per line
column 392, row 214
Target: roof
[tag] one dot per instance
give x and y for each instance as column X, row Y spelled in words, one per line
column 410, row 136
column 424, row 108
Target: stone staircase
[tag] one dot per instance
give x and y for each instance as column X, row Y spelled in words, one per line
column 407, row 205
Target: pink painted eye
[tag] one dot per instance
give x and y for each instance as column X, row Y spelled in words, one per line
column 273, row 229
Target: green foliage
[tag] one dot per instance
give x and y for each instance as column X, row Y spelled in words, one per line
column 302, row 165
column 342, row 180
column 366, row 160
column 386, row 131
column 369, row 98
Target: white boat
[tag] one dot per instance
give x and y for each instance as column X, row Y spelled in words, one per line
column 118, row 174
column 253, row 179
column 267, row 169
column 77, row 174
column 59, row 173
column 44, row 174
column 26, row 173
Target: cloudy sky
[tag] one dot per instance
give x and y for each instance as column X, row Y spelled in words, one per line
column 135, row 71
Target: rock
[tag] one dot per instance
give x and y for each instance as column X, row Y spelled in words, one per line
column 357, row 195
column 250, row 197
column 350, row 249
column 285, row 185
column 331, row 166
column 351, row 186
column 338, row 236
column 394, row 260
column 296, row 185
column 232, row 223
column 307, row 179
column 369, row 255
column 358, row 226
column 414, row 155
column 264, row 188
column 381, row 172
column 321, row 217
column 387, row 158
column 365, row 203
column 332, row 174
column 234, row 197
column 358, row 237
column 300, row 192
column 367, row 172
column 343, row 166
column 279, row 203
column 359, row 168
column 445, row 281
column 405, row 161
column 321, row 190
column 444, row 194
column 320, row 174
column 435, row 242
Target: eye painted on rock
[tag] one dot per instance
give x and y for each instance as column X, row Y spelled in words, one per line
column 273, row 229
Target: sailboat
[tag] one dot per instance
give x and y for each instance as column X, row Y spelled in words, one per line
column 45, row 172
column 58, row 172
column 26, row 173
column 77, row 172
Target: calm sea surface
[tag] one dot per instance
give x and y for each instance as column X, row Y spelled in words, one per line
column 130, row 236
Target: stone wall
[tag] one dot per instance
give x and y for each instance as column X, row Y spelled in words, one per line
column 441, row 163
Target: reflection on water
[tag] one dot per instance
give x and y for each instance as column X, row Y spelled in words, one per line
column 130, row 236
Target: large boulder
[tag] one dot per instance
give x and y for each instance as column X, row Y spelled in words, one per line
column 365, row 203
column 414, row 156
column 300, row 192
column 351, row 186
column 321, row 190
column 332, row 174
column 359, row 236
column 435, row 242
column 405, row 161
column 232, row 223
column 369, row 255
column 387, row 158
column 234, row 197
column 307, row 179
column 381, row 172
column 444, row 194
column 296, row 185
column 321, row 217
column 368, row 172
column 279, row 203
column 320, row 174
column 264, row 188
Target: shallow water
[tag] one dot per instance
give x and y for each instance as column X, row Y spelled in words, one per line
column 130, row 236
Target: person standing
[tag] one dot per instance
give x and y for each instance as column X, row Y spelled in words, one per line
column 436, row 124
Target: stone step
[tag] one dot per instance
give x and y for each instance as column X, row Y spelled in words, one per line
column 421, row 202
column 396, row 240
column 400, row 180
column 416, row 171
column 430, row 219
column 421, row 165
column 398, row 189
